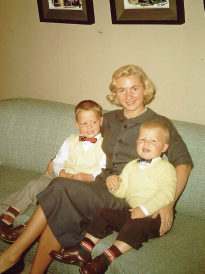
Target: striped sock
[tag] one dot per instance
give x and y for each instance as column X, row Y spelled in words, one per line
column 9, row 217
column 110, row 254
column 86, row 246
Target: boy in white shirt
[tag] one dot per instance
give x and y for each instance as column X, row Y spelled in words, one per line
column 148, row 184
column 75, row 159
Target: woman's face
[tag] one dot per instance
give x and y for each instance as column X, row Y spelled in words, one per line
column 130, row 93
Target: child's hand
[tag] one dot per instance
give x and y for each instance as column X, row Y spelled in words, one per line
column 113, row 182
column 83, row 177
column 63, row 174
column 137, row 213
column 49, row 169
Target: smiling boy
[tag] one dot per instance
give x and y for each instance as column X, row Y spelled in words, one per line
column 80, row 158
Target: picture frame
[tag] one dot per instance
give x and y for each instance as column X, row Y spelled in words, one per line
column 66, row 11
column 147, row 11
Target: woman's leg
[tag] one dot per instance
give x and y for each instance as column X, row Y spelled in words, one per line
column 42, row 258
column 34, row 228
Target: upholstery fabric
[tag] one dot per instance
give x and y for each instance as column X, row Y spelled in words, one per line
column 31, row 133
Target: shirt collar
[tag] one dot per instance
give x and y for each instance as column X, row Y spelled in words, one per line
column 98, row 136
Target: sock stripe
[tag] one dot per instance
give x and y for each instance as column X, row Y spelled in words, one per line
column 9, row 214
column 8, row 219
column 87, row 246
column 5, row 221
column 109, row 254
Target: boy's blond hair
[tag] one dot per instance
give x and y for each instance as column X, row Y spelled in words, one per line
column 126, row 71
column 158, row 126
column 87, row 105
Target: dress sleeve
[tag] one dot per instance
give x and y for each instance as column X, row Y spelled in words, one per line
column 177, row 152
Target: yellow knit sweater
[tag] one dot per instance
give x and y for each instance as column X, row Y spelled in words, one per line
column 153, row 187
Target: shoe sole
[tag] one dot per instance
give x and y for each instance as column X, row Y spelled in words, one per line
column 8, row 241
column 73, row 263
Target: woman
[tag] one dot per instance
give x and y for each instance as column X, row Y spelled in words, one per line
column 63, row 215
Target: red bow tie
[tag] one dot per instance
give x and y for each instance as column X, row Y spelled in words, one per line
column 92, row 140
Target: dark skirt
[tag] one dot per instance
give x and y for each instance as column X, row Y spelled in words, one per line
column 70, row 205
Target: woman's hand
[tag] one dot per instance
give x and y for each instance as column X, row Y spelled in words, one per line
column 113, row 182
column 137, row 213
column 83, row 177
column 166, row 215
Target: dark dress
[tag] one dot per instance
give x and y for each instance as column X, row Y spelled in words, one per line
column 69, row 205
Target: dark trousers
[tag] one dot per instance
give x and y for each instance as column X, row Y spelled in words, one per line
column 131, row 231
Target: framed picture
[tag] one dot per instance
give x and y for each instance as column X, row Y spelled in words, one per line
column 147, row 11
column 66, row 11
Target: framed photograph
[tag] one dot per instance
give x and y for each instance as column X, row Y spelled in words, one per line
column 66, row 11
column 147, row 11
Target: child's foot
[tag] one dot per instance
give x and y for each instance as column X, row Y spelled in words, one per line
column 11, row 234
column 97, row 266
column 71, row 255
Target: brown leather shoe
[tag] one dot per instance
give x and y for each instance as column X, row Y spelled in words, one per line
column 71, row 255
column 11, row 234
column 97, row 266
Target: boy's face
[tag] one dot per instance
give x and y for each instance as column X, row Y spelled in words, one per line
column 151, row 143
column 89, row 123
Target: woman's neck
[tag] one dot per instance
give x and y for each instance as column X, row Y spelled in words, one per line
column 133, row 114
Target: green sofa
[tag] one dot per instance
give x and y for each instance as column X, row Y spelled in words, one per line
column 31, row 133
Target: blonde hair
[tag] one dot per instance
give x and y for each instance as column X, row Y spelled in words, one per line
column 126, row 71
column 158, row 126
column 87, row 105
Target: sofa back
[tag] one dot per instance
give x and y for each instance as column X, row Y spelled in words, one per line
column 192, row 201
column 33, row 130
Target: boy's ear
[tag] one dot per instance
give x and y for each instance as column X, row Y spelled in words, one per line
column 76, row 125
column 165, row 147
column 101, row 120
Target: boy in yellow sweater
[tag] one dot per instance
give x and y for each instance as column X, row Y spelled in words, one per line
column 80, row 157
column 148, row 184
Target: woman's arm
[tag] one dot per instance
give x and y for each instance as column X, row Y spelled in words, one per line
column 166, row 214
